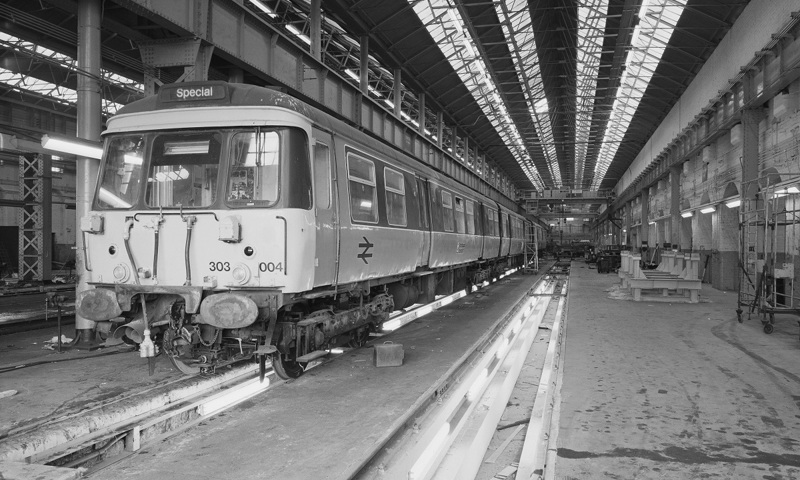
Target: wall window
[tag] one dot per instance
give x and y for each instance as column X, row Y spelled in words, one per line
column 470, row 217
column 395, row 197
column 322, row 176
column 460, row 215
column 447, row 209
column 363, row 194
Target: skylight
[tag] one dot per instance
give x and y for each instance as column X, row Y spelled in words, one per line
column 444, row 24
column 591, row 31
column 516, row 23
column 657, row 20
column 67, row 96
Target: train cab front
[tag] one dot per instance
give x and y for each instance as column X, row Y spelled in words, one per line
column 195, row 238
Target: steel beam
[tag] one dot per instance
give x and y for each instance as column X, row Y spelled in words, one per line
column 256, row 46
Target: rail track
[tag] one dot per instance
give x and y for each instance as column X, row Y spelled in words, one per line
column 473, row 384
column 475, row 430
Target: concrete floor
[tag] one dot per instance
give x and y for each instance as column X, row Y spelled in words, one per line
column 674, row 390
column 651, row 390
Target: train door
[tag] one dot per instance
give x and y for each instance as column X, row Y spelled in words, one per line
column 325, row 205
column 425, row 220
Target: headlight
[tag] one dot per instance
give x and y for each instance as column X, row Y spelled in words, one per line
column 241, row 274
column 121, row 273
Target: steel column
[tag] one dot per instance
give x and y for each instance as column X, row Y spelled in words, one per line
column 89, row 127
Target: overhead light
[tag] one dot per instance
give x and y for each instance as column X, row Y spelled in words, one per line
column 264, row 8
column 569, row 219
column 686, row 214
column 707, row 209
column 783, row 191
column 74, row 146
column 651, row 222
column 733, row 203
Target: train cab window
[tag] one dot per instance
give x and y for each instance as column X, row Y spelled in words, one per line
column 460, row 227
column 470, row 211
column 254, row 168
column 395, row 197
column 363, row 194
column 121, row 172
column 447, row 209
column 322, row 176
column 183, row 169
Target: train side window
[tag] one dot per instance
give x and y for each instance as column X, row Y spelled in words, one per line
column 504, row 225
column 395, row 197
column 447, row 208
column 491, row 217
column 322, row 176
column 460, row 215
column 470, row 210
column 363, row 193
column 423, row 204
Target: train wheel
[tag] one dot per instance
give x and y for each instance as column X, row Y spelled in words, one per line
column 359, row 337
column 286, row 369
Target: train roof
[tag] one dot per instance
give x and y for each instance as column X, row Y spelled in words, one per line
column 210, row 94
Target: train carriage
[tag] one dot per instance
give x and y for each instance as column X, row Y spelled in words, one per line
column 234, row 221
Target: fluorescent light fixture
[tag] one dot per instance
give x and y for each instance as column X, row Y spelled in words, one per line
column 686, row 214
column 708, row 209
column 783, row 191
column 569, row 219
column 733, row 203
column 186, row 148
column 73, row 146
column 264, row 8
column 651, row 222
column 352, row 75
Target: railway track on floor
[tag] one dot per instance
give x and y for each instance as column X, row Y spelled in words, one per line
column 495, row 421
column 131, row 424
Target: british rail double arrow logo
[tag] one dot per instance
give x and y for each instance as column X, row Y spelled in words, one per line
column 366, row 246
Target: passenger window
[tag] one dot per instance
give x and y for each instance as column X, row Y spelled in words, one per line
column 492, row 216
column 363, row 194
column 460, row 215
column 470, row 218
column 447, row 208
column 395, row 197
column 322, row 176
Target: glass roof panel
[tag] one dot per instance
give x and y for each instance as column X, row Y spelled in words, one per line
column 444, row 24
column 657, row 21
column 516, row 22
column 591, row 28
column 23, row 82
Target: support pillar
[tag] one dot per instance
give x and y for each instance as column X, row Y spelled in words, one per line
column 675, row 206
column 35, row 218
column 89, row 125
column 644, row 229
column 316, row 29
